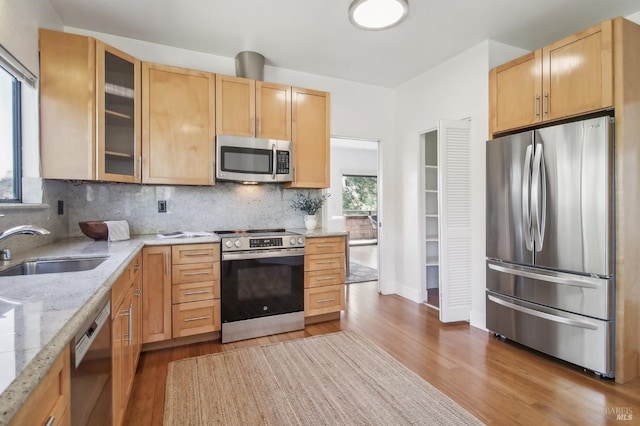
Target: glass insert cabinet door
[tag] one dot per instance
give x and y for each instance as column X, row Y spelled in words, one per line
column 118, row 115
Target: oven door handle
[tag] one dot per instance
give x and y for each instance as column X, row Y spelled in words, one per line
column 262, row 254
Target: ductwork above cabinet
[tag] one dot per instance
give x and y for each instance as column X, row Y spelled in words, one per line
column 250, row 65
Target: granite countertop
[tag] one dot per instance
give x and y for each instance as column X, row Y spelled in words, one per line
column 40, row 314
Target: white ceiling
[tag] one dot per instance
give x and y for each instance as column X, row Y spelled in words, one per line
column 315, row 36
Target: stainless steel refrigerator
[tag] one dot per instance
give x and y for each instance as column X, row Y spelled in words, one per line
column 550, row 241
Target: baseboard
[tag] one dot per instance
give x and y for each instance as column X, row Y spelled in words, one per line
column 322, row 318
column 180, row 341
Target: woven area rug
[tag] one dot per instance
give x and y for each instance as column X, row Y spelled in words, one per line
column 359, row 273
column 334, row 379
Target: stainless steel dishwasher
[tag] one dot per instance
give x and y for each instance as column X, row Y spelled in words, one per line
column 91, row 371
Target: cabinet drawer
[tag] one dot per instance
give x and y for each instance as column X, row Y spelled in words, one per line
column 193, row 292
column 323, row 278
column 195, row 253
column 51, row 398
column 195, row 272
column 325, row 245
column 323, row 300
column 319, row 262
column 196, row 318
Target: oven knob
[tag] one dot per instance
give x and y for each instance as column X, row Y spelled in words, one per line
column 228, row 244
column 292, row 241
column 300, row 240
column 238, row 243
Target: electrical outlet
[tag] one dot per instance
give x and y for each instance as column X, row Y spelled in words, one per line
column 162, row 206
column 60, row 207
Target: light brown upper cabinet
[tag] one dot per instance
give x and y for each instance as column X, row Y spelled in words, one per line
column 567, row 78
column 178, row 132
column 310, row 135
column 246, row 107
column 89, row 110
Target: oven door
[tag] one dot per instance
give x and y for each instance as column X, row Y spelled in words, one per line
column 255, row 287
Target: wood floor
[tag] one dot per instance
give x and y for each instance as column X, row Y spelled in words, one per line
column 500, row 383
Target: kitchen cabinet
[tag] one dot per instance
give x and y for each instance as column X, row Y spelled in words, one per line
column 324, row 275
column 246, row 107
column 310, row 133
column 126, row 342
column 178, row 131
column 181, row 291
column 567, row 78
column 49, row 403
column 156, row 294
column 89, row 110
column 195, row 289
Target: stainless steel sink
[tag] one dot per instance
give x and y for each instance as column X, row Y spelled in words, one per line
column 53, row 266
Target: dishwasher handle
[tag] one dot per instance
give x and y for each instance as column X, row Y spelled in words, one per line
column 83, row 341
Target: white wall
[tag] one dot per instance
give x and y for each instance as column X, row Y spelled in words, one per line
column 19, row 23
column 456, row 89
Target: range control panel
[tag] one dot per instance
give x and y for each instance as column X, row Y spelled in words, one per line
column 239, row 243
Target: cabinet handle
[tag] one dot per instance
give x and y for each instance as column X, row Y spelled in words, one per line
column 326, row 245
column 324, row 278
column 166, row 262
column 545, row 104
column 325, row 262
column 137, row 267
column 50, row 421
column 130, row 323
column 140, row 167
column 536, row 108
column 197, row 273
column 138, row 292
column 326, row 300
column 191, row 293
column 200, row 253
column 197, row 318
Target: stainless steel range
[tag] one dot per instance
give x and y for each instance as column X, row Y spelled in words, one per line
column 261, row 283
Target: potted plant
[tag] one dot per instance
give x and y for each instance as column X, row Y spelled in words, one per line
column 309, row 204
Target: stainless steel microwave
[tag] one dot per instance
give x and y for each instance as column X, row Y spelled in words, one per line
column 245, row 159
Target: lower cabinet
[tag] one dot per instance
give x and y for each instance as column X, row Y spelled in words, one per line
column 181, row 291
column 156, row 294
column 126, row 322
column 324, row 275
column 49, row 402
column 195, row 289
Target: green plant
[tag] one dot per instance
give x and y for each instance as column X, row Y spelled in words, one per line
column 310, row 204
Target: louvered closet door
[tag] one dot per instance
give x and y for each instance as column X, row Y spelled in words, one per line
column 455, row 220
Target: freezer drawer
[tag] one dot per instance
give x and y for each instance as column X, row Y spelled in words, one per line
column 583, row 341
column 579, row 294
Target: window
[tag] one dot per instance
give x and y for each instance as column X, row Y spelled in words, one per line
column 10, row 138
column 359, row 195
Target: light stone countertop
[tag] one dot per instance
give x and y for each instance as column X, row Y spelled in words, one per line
column 40, row 314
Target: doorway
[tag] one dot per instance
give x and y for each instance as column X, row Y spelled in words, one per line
column 353, row 204
column 429, row 145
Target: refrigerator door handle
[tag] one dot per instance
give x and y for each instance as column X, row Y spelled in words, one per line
column 544, row 315
column 549, row 276
column 539, row 197
column 526, row 207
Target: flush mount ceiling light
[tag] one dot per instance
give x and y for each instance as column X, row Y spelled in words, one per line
column 377, row 14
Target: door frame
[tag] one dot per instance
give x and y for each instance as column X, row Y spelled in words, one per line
column 325, row 214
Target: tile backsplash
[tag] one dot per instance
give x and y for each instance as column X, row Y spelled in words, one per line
column 189, row 208
column 44, row 215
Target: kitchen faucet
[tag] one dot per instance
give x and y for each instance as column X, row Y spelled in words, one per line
column 17, row 230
